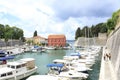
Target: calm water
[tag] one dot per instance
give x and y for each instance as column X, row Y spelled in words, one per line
column 42, row 59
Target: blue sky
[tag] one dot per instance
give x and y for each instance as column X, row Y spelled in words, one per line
column 55, row 16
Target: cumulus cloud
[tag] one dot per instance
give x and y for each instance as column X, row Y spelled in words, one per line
column 80, row 8
column 54, row 16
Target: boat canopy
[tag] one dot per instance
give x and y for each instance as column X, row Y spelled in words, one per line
column 75, row 54
column 55, row 65
column 36, row 46
column 6, row 58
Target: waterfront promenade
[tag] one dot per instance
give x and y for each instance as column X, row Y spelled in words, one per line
column 106, row 71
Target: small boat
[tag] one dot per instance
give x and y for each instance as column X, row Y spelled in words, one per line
column 2, row 53
column 74, row 75
column 44, row 77
column 4, row 57
column 67, row 47
column 73, row 65
column 50, row 48
column 36, row 49
column 61, row 71
column 18, row 69
column 72, row 56
column 43, row 50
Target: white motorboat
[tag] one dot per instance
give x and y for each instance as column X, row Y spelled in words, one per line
column 18, row 69
column 50, row 48
column 42, row 77
column 87, row 61
column 36, row 49
column 60, row 71
column 73, row 65
column 14, row 51
column 70, row 58
column 73, row 75
column 67, row 48
column 43, row 50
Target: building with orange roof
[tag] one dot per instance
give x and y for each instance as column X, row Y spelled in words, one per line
column 39, row 40
column 57, row 40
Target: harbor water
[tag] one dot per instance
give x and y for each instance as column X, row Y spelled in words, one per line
column 42, row 59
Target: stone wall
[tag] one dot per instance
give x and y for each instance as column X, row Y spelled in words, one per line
column 102, row 35
column 10, row 43
column 113, row 46
column 82, row 41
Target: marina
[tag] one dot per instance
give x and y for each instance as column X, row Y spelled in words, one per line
column 59, row 40
column 49, row 56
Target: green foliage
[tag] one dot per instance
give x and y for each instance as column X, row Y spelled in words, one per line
column 100, row 27
column 1, row 31
column 29, row 42
column 112, row 22
column 91, row 31
column 35, row 33
column 8, row 32
column 103, row 28
column 84, row 31
column 78, row 33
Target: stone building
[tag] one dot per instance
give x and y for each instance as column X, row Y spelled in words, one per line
column 39, row 40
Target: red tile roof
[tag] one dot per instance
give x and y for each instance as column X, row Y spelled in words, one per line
column 39, row 37
column 56, row 36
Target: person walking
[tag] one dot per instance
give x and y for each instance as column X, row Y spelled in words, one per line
column 104, row 56
column 109, row 56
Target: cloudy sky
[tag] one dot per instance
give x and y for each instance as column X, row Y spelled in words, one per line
column 55, row 16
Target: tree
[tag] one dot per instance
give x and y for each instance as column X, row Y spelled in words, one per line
column 92, row 31
column 103, row 28
column 8, row 32
column 110, row 24
column 78, row 33
column 1, row 31
column 35, row 33
column 6, row 38
column 97, row 29
column 85, row 31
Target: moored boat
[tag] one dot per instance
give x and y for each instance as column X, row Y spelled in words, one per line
column 4, row 57
column 36, row 49
column 18, row 69
column 61, row 71
column 43, row 77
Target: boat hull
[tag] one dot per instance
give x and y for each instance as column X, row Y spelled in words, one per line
column 20, row 76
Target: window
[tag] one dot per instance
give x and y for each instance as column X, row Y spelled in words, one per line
column 19, row 66
column 2, row 75
column 13, row 67
column 9, row 73
column 23, row 65
column 8, row 65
